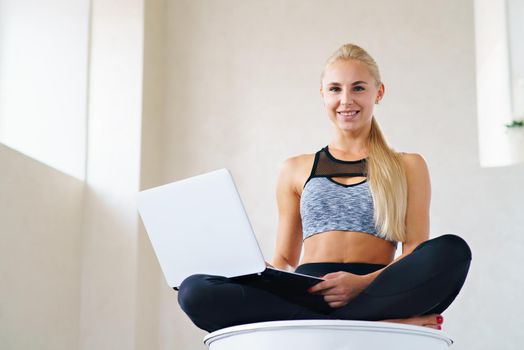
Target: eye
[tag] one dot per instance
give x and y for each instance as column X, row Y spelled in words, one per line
column 358, row 88
column 334, row 89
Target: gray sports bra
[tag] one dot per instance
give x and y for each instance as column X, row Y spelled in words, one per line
column 327, row 205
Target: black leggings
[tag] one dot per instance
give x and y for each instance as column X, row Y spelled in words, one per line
column 424, row 282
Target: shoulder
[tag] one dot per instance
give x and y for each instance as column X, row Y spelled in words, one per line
column 413, row 162
column 415, row 167
column 294, row 171
column 297, row 162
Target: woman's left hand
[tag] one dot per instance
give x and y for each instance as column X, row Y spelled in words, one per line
column 338, row 288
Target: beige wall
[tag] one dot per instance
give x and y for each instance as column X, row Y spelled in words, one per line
column 235, row 83
column 69, row 252
column 242, row 92
column 150, row 283
column 110, row 233
column 41, row 216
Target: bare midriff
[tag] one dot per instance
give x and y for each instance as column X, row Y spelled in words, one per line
column 347, row 247
column 343, row 246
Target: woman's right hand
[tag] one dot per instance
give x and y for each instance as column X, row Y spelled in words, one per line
column 338, row 288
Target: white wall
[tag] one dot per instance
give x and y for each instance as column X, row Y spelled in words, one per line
column 43, row 74
column 68, row 258
column 149, row 281
column 110, row 237
column 242, row 92
column 515, row 10
column 498, row 145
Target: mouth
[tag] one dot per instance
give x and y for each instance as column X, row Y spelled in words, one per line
column 349, row 114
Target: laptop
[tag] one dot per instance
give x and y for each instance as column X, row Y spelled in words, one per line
column 199, row 226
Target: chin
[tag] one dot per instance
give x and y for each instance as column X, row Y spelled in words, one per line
column 348, row 126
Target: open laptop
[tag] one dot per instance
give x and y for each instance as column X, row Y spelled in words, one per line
column 199, row 226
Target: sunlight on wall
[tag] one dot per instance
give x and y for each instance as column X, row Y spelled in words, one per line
column 498, row 145
column 43, row 80
column 516, row 31
column 108, row 301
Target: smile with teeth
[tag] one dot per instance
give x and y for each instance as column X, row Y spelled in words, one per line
column 348, row 113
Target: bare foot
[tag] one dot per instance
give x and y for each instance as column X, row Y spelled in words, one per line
column 432, row 321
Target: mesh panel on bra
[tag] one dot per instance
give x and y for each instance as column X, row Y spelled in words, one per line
column 328, row 166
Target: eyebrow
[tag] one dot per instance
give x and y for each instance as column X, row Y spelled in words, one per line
column 352, row 84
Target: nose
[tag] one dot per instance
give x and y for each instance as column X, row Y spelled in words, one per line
column 346, row 99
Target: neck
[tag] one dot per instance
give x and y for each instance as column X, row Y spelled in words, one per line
column 351, row 143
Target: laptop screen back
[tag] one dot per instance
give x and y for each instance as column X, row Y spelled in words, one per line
column 199, row 225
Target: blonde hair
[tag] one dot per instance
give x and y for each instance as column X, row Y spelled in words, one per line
column 386, row 176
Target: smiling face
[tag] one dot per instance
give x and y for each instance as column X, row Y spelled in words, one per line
column 350, row 92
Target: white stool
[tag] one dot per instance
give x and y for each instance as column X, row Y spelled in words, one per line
column 327, row 335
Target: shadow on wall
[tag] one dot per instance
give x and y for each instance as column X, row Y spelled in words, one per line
column 41, row 220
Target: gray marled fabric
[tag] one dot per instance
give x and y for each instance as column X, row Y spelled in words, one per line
column 329, row 206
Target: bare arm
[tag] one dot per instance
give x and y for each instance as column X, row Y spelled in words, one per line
column 417, row 212
column 289, row 234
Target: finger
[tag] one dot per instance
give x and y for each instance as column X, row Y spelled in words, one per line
column 321, row 286
column 321, row 290
column 333, row 298
column 331, row 275
column 337, row 304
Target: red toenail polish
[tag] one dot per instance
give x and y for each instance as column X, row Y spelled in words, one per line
column 439, row 327
column 440, row 319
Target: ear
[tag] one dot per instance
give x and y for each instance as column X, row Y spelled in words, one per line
column 380, row 92
column 321, row 90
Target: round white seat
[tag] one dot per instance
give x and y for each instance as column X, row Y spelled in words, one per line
column 328, row 335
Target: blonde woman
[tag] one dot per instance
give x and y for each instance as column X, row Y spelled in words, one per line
column 345, row 209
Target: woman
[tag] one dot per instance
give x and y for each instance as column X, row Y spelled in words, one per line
column 347, row 205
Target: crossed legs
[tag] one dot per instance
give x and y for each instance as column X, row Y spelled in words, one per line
column 421, row 284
